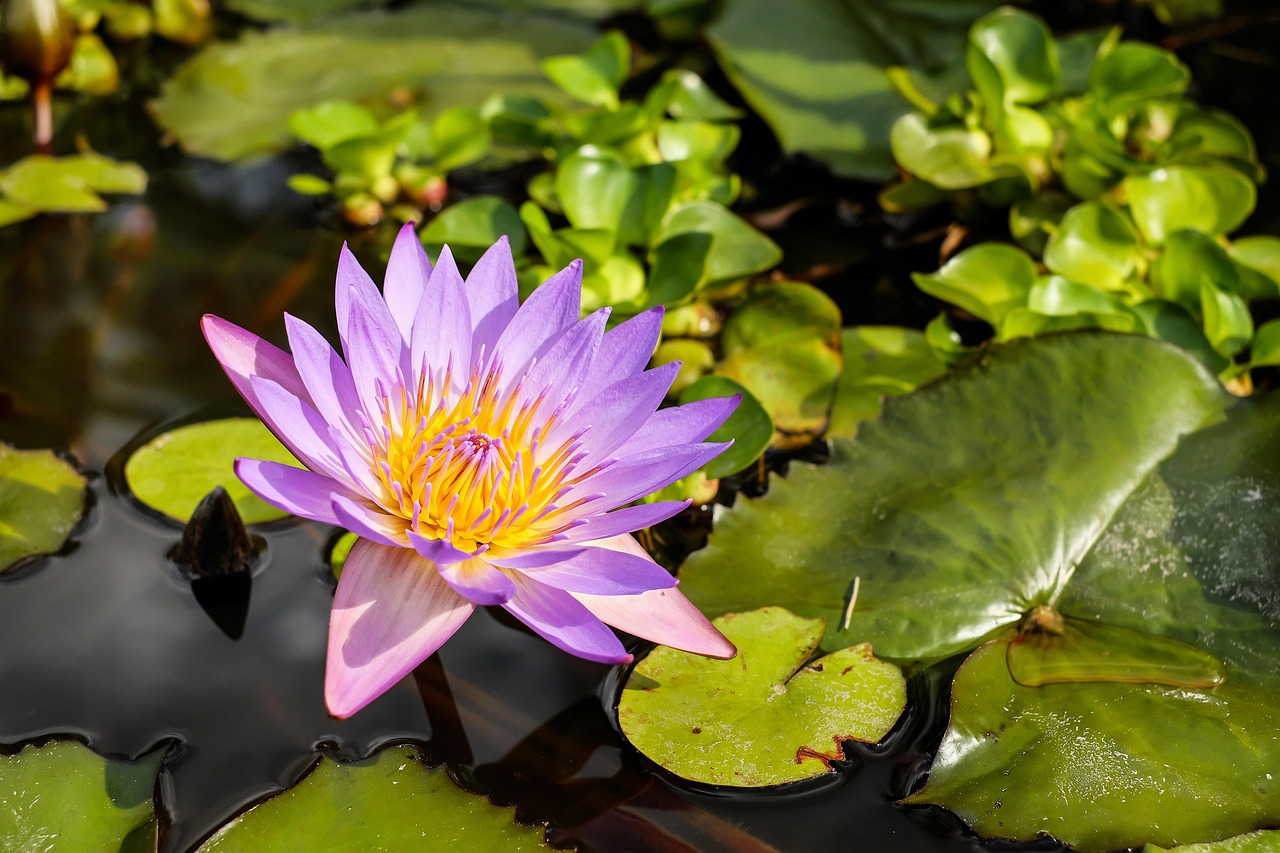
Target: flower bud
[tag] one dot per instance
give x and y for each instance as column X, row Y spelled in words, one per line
column 36, row 39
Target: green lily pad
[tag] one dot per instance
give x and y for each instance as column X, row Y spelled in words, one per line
column 41, row 499
column 234, row 99
column 1212, row 199
column 62, row 796
column 392, row 801
column 69, row 184
column 979, row 493
column 749, row 427
column 174, row 471
column 1263, row 841
column 879, row 362
column 774, row 60
column 766, row 717
column 794, row 377
column 780, row 309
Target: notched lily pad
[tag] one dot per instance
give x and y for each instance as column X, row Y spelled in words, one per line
column 173, row 472
column 41, row 499
column 62, row 796
column 764, row 717
column 392, row 801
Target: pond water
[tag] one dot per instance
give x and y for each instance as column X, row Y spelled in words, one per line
column 106, row 642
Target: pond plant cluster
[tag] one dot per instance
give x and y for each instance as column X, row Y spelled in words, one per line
column 894, row 377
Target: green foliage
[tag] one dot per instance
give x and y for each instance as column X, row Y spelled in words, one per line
column 41, row 500
column 43, row 184
column 1122, row 192
column 767, row 717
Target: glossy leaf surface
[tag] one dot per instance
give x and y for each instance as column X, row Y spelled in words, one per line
column 41, row 500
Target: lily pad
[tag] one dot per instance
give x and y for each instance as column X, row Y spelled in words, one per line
column 766, row 717
column 174, row 471
column 749, row 427
column 1263, row 841
column 879, row 362
column 392, row 801
column 794, row 377
column 62, row 796
column 41, row 499
column 234, row 99
column 774, row 60
column 980, row 493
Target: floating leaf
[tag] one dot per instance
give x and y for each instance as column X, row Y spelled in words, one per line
column 774, row 60
column 879, row 362
column 737, row 250
column 392, row 801
column 61, row 796
column 777, row 310
column 794, row 377
column 1262, row 841
column 174, row 471
column 69, row 184
column 749, row 427
column 1012, row 58
column 951, row 157
column 764, row 717
column 41, row 499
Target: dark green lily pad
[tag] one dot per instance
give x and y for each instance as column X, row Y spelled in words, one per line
column 62, row 796
column 174, row 471
column 774, row 60
column 392, row 801
column 764, row 717
column 794, row 377
column 41, row 499
column 234, row 99
column 1263, row 841
column 979, row 494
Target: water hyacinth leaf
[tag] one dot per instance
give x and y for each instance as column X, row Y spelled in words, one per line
column 595, row 76
column 1173, row 323
column 175, row 470
column 459, row 137
column 794, row 377
column 1260, row 253
column 1212, row 199
column 1088, row 651
column 695, row 357
column 41, row 500
column 980, row 523
column 1094, row 244
column 391, row 801
column 1012, row 58
column 593, row 186
column 473, row 225
column 1265, row 349
column 774, row 59
column 764, row 717
column 331, row 122
column 1076, row 54
column 749, row 427
column 62, row 796
column 693, row 100
column 737, row 250
column 1033, row 220
column 1227, row 322
column 780, row 309
column 879, row 362
column 1056, row 296
column 950, row 157
column 232, row 100
column 987, row 280
column 1141, row 762
column 1189, row 260
column 1262, row 841
column 1133, row 72
column 372, row 156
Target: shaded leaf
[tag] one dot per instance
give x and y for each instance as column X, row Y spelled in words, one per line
column 879, row 362
column 749, row 427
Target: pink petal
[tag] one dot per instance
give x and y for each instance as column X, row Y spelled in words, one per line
column 370, row 522
column 553, row 307
column 298, row 426
column 625, row 520
column 562, row 620
column 408, row 270
column 442, row 326
column 325, row 375
column 624, row 351
column 603, row 571
column 243, row 354
column 390, row 613
column 662, row 616
column 687, row 424
column 293, row 490
column 493, row 294
column 477, row 581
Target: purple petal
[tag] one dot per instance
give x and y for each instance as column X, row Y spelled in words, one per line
column 442, row 327
column 325, row 374
column 374, row 356
column 477, row 581
column 533, row 558
column 370, row 522
column 562, row 620
column 298, row 426
column 602, row 571
column 293, row 490
column 493, row 294
column 662, row 616
column 440, row 551
column 243, row 354
column 625, row 520
column 390, row 613
column 355, row 286
column 642, row 473
column 619, row 410
column 687, row 424
column 408, row 270
column 565, row 365
column 551, row 309
column 625, row 351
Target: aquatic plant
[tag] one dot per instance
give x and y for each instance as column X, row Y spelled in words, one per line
column 481, row 450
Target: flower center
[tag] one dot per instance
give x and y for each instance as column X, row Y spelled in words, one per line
column 475, row 466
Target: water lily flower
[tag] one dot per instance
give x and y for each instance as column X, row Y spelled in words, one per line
column 485, row 452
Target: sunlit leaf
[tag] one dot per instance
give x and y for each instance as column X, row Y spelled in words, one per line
column 986, row 280
column 473, row 225
column 1212, row 199
column 764, row 717
column 1094, row 244
column 41, row 500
